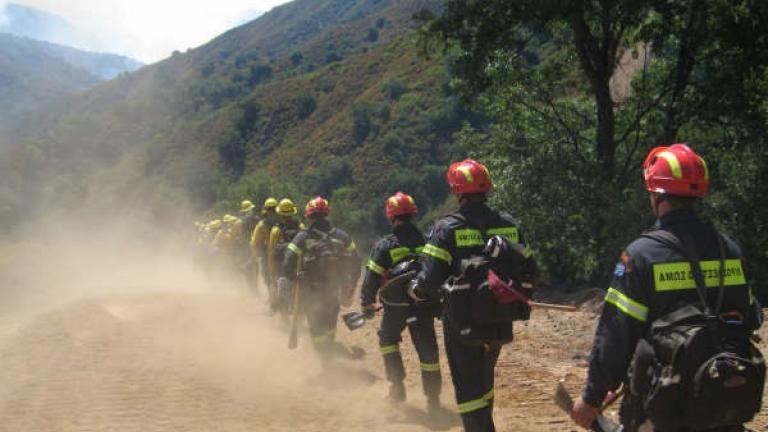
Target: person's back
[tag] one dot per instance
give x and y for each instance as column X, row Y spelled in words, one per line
column 658, row 302
column 226, row 240
column 315, row 257
column 329, row 256
column 394, row 256
column 260, row 234
column 472, row 342
column 285, row 228
column 663, row 272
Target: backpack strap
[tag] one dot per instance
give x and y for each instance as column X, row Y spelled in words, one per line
column 687, row 249
column 721, row 274
column 701, row 286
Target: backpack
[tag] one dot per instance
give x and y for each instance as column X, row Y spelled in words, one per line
column 698, row 369
column 287, row 233
column 327, row 257
column 492, row 290
column 394, row 285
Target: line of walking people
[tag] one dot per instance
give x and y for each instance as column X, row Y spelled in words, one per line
column 475, row 271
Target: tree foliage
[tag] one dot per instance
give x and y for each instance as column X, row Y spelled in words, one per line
column 566, row 144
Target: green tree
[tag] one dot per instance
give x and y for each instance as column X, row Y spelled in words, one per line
column 564, row 139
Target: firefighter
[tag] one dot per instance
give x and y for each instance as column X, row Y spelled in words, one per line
column 455, row 237
column 325, row 260
column 206, row 233
column 259, row 237
column 405, row 242
column 225, row 243
column 285, row 229
column 248, row 221
column 676, row 177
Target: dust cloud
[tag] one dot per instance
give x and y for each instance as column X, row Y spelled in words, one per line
column 118, row 325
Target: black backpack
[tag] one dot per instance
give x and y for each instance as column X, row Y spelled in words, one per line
column 492, row 291
column 287, row 233
column 327, row 257
column 698, row 369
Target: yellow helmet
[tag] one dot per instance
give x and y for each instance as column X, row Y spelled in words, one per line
column 228, row 219
column 286, row 207
column 246, row 206
column 214, row 224
column 270, row 203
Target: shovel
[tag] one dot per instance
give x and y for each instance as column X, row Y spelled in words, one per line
column 355, row 320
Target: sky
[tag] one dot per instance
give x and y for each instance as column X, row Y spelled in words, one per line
column 149, row 30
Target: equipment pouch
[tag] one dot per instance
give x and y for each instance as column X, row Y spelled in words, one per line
column 706, row 375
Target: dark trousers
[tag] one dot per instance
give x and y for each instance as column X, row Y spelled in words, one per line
column 320, row 304
column 421, row 325
column 472, row 368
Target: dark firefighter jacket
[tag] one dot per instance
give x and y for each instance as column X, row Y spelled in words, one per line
column 302, row 246
column 406, row 240
column 452, row 240
column 652, row 280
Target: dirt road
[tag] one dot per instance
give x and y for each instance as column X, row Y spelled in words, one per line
column 205, row 361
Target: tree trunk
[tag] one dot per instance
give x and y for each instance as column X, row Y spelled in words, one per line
column 598, row 63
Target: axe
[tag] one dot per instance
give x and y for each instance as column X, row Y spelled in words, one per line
column 601, row 424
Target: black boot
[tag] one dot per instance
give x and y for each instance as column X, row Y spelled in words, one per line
column 432, row 384
column 397, row 392
column 433, row 405
column 478, row 421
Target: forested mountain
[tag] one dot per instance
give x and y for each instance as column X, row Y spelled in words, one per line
column 30, row 77
column 53, row 35
column 34, row 74
column 345, row 98
column 317, row 97
column 20, row 20
column 103, row 66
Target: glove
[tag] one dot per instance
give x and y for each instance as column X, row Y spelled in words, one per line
column 414, row 291
column 369, row 311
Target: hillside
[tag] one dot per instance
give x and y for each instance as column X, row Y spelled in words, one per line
column 21, row 20
column 55, row 35
column 323, row 94
column 103, row 66
column 30, row 78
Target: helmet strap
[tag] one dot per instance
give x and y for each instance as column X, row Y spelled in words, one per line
column 656, row 203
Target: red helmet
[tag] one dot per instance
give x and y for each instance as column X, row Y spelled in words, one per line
column 468, row 176
column 317, row 205
column 401, row 204
column 676, row 170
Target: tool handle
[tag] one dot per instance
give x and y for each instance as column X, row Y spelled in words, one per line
column 566, row 308
column 293, row 337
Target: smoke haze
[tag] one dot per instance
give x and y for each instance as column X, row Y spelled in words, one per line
column 114, row 323
column 146, row 30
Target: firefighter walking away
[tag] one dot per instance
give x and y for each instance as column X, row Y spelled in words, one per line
column 676, row 327
column 482, row 255
column 327, row 262
column 392, row 256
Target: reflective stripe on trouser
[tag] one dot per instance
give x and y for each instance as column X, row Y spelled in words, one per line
column 472, row 372
column 421, row 325
column 321, row 306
